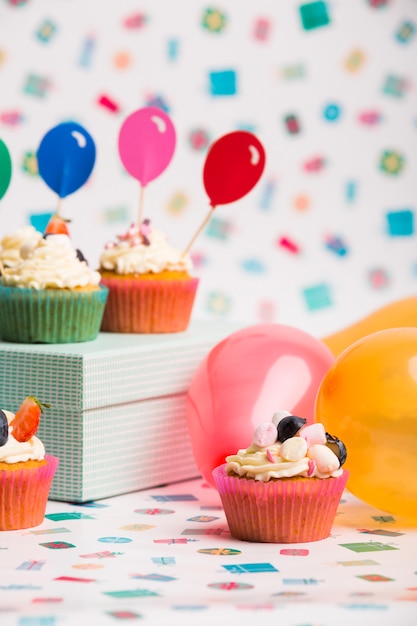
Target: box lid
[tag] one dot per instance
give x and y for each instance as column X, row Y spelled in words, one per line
column 112, row 369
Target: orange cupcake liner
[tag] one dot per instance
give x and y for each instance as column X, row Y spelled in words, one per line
column 148, row 306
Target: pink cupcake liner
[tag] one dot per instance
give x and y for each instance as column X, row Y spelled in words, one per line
column 148, row 306
column 24, row 494
column 292, row 510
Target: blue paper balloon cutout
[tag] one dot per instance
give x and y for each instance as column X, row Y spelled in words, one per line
column 66, row 157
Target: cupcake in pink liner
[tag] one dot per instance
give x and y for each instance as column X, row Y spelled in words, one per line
column 151, row 289
column 26, row 471
column 286, row 486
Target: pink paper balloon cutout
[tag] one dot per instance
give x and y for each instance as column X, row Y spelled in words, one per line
column 244, row 380
column 233, row 166
column 147, row 141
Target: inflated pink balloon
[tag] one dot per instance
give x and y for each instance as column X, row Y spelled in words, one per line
column 146, row 143
column 233, row 166
column 244, row 380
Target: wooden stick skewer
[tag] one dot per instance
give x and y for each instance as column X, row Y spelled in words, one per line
column 59, row 206
column 140, row 211
column 202, row 225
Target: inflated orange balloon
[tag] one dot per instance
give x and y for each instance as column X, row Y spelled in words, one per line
column 402, row 313
column 368, row 399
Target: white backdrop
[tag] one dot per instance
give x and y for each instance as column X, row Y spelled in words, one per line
column 341, row 190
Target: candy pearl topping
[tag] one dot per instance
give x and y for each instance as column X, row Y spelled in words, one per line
column 293, row 449
column 265, row 435
column 278, row 416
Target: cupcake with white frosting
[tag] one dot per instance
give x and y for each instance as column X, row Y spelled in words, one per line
column 286, row 486
column 151, row 289
column 26, row 470
column 50, row 295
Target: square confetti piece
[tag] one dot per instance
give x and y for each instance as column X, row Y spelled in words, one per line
column 223, row 83
column 317, row 297
column 400, row 223
column 313, row 15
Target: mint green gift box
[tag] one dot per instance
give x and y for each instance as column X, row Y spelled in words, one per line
column 117, row 420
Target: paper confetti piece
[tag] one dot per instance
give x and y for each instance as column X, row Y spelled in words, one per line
column 106, row 102
column 250, row 568
column 262, row 29
column 65, row 516
column 75, row 579
column 57, row 545
column 367, row 547
column 86, row 55
column 314, row 15
column 135, row 21
column 317, row 297
column 131, row 593
column 174, row 497
column 375, row 578
column 355, row 60
column 219, row 551
column 380, row 531
column 223, row 83
column 230, row 586
column 400, row 223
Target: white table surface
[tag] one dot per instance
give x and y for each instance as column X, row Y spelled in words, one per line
column 165, row 556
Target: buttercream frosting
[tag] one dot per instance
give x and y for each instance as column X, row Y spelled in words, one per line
column 51, row 263
column 306, row 454
column 11, row 244
column 140, row 250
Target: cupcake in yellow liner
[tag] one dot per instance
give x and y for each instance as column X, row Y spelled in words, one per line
column 10, row 244
column 51, row 295
column 150, row 286
column 286, row 486
column 26, row 471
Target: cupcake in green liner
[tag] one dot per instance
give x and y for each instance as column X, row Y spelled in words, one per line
column 51, row 295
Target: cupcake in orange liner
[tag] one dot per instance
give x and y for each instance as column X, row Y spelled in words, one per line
column 26, row 471
column 151, row 289
column 51, row 295
column 286, row 487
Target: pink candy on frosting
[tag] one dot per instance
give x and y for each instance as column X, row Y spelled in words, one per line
column 313, row 433
column 265, row 435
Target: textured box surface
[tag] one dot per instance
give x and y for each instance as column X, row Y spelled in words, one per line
column 117, row 420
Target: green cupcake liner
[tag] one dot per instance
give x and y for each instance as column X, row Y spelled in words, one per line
column 50, row 315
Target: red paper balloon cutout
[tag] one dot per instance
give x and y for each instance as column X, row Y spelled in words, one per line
column 233, row 166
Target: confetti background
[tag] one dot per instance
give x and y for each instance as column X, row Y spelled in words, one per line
column 327, row 235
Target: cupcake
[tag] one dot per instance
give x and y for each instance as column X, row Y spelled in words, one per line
column 10, row 244
column 286, row 486
column 150, row 286
column 26, row 471
column 51, row 295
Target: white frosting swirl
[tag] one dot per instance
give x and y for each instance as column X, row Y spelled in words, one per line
column 10, row 245
column 133, row 256
column 294, row 457
column 20, row 451
column 51, row 264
